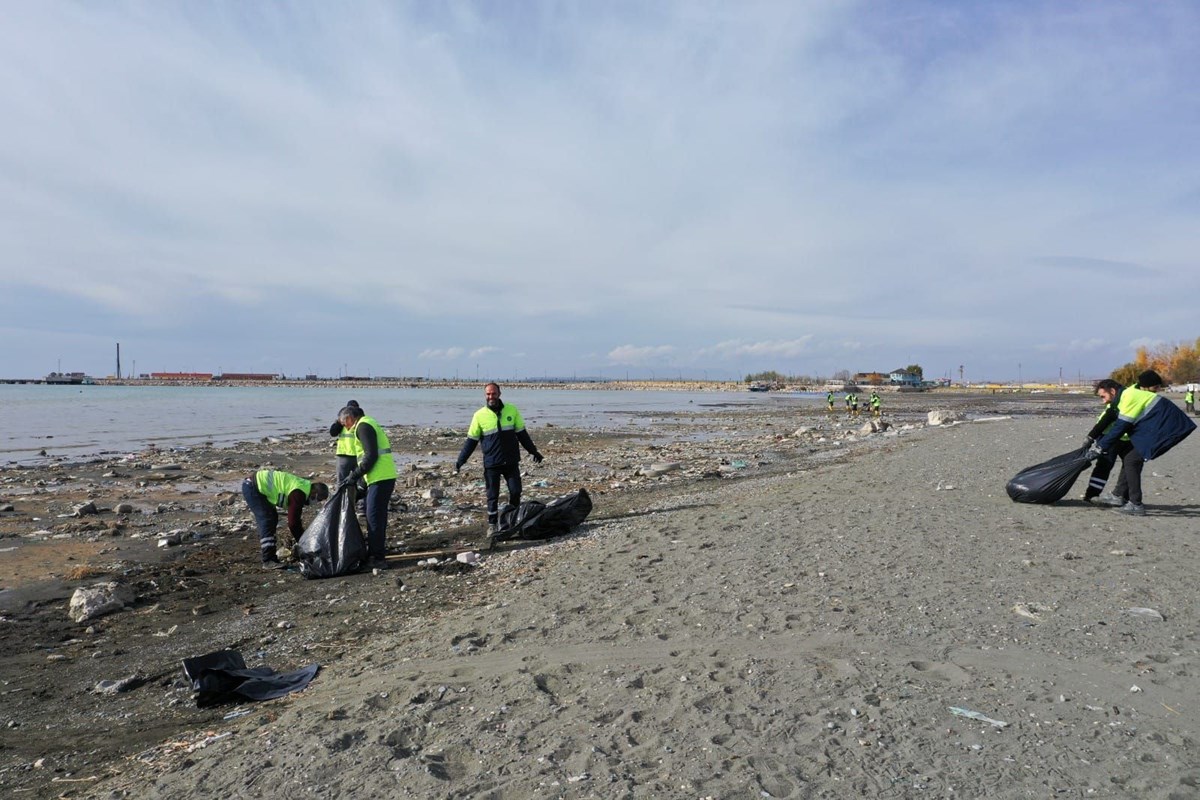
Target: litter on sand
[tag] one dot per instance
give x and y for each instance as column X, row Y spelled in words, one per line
column 964, row 712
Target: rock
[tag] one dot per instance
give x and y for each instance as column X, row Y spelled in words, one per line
column 86, row 509
column 124, row 508
column 945, row 417
column 469, row 557
column 107, row 687
column 433, row 494
column 1145, row 613
column 6, row 507
column 96, row 601
column 165, row 467
column 662, row 468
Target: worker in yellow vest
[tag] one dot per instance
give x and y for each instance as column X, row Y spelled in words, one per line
column 1133, row 406
column 377, row 469
column 269, row 490
column 347, row 458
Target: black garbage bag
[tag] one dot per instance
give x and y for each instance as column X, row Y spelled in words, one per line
column 534, row 520
column 333, row 543
column 223, row 677
column 1049, row 481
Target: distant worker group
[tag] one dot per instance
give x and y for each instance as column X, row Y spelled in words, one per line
column 365, row 465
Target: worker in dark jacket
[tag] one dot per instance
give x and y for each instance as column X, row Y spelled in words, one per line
column 269, row 490
column 498, row 426
column 1154, row 427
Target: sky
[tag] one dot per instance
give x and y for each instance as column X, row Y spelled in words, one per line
column 493, row 190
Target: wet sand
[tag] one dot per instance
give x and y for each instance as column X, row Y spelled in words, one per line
column 793, row 612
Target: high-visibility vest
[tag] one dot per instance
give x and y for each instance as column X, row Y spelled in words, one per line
column 385, row 465
column 276, row 485
column 346, row 445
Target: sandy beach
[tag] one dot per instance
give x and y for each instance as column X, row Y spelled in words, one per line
column 776, row 605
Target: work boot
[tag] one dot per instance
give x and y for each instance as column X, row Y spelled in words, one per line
column 1132, row 509
column 377, row 562
column 1109, row 500
column 272, row 562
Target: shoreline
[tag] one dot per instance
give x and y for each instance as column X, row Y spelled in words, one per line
column 790, row 611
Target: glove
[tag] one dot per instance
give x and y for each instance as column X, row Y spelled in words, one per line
column 537, row 458
column 1088, row 442
column 1093, row 453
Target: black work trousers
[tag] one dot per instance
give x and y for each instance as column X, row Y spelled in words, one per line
column 491, row 483
column 1129, row 485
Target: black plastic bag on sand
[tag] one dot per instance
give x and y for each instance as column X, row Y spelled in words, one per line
column 223, row 677
column 333, row 543
column 1049, row 481
column 534, row 520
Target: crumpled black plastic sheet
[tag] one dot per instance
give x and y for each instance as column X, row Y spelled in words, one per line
column 223, row 677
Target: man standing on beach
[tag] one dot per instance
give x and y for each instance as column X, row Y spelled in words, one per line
column 377, row 468
column 876, row 404
column 1189, row 399
column 829, row 401
column 500, row 428
column 271, row 489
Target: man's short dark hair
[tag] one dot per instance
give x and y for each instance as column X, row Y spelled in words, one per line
column 351, row 411
column 1107, row 383
column 1149, row 379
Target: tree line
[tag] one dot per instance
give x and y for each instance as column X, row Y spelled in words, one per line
column 1176, row 363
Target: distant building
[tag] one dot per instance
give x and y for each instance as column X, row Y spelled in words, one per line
column 902, row 377
column 245, row 376
column 870, row 378
column 180, row 376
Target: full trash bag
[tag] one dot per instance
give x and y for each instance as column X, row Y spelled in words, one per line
column 333, row 543
column 1049, row 481
column 534, row 520
column 223, row 677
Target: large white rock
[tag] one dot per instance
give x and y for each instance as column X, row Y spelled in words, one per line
column 96, row 601
column 945, row 416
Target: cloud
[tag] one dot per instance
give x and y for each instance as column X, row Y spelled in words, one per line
column 441, row 354
column 734, row 349
column 1096, row 266
column 1146, row 342
column 595, row 174
column 640, row 356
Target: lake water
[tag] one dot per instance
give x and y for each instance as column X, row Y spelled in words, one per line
column 74, row 422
